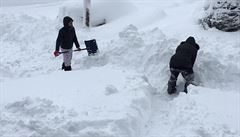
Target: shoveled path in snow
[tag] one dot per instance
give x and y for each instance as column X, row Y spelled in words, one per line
column 202, row 113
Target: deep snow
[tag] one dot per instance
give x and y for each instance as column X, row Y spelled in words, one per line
column 122, row 90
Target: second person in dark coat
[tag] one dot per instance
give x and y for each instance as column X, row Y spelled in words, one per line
column 182, row 62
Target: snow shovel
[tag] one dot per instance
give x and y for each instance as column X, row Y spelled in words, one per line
column 91, row 47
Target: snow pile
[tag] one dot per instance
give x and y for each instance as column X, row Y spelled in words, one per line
column 222, row 14
column 149, row 52
column 30, row 117
column 113, row 105
column 26, row 45
column 39, row 117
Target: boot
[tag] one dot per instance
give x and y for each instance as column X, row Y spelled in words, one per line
column 68, row 68
column 185, row 88
column 171, row 88
column 63, row 66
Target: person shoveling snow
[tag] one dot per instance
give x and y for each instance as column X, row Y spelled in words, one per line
column 182, row 62
column 66, row 38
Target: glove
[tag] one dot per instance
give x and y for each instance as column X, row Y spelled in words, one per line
column 56, row 53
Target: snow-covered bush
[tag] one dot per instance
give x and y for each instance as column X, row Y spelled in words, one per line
column 222, row 14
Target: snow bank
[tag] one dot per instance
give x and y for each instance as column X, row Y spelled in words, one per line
column 26, row 45
column 83, row 103
column 149, row 52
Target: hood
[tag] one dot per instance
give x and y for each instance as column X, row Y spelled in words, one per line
column 66, row 20
column 190, row 40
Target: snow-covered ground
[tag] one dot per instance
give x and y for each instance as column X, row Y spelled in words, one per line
column 122, row 90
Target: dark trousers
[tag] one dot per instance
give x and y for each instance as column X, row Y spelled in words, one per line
column 187, row 75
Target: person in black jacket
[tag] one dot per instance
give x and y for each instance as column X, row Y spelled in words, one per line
column 182, row 62
column 66, row 38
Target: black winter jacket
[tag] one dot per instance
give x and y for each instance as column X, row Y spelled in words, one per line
column 66, row 36
column 185, row 55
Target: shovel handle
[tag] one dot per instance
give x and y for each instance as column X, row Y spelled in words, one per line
column 73, row 51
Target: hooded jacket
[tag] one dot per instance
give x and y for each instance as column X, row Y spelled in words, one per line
column 185, row 55
column 66, row 36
